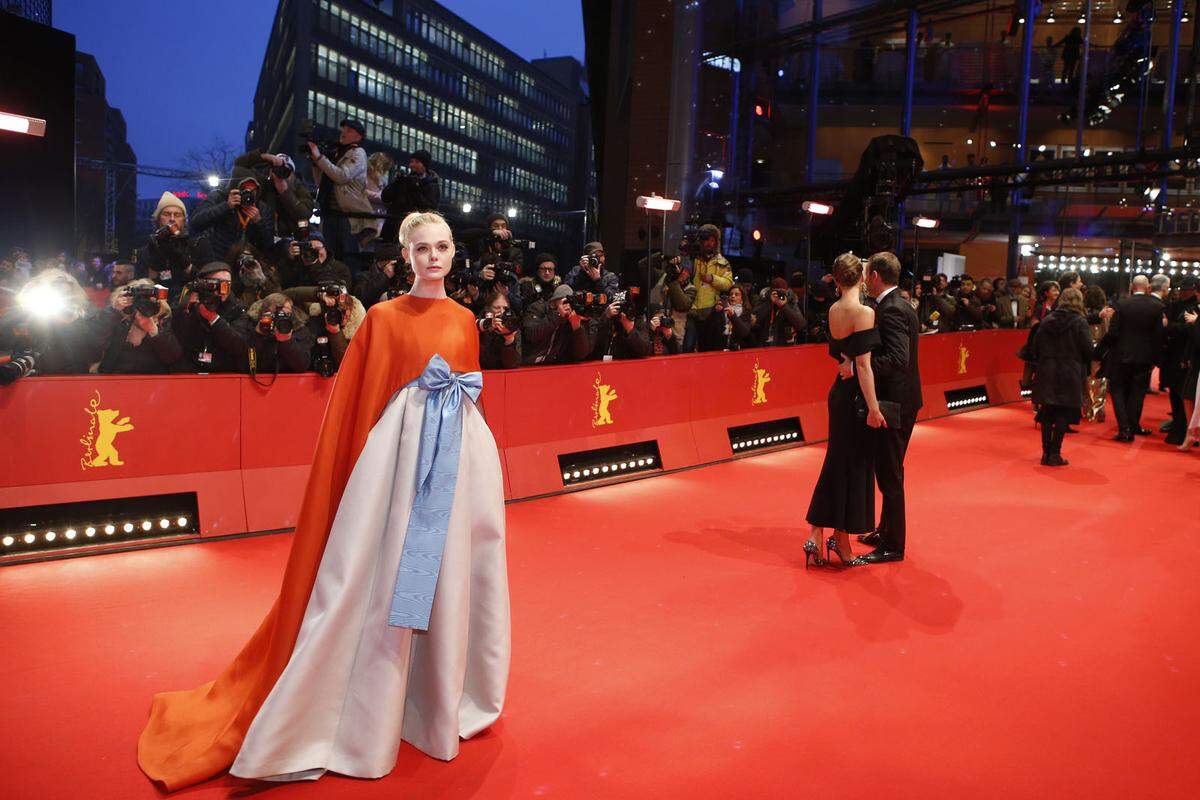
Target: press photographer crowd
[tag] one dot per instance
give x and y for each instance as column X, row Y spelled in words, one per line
column 250, row 283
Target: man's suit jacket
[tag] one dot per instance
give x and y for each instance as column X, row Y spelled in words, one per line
column 1136, row 330
column 897, row 373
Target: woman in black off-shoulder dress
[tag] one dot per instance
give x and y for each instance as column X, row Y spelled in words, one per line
column 844, row 497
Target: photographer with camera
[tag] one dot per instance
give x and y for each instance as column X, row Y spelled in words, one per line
column 332, row 315
column 208, row 321
column 255, row 276
column 619, row 331
column 419, row 189
column 996, row 313
column 340, row 173
column 171, row 254
column 286, row 200
column 729, row 326
column 554, row 332
column 237, row 215
column 53, row 329
column 136, row 329
column 388, row 278
column 123, row 272
column 936, row 310
column 968, row 315
column 776, row 319
column 590, row 275
column 499, row 334
column 543, row 282
column 674, row 293
column 711, row 275
column 308, row 263
column 277, row 337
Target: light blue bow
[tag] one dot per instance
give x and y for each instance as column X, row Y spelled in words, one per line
column 437, row 475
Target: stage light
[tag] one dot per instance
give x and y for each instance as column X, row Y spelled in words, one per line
column 42, row 301
column 512, row 213
column 109, row 530
column 1050, row 18
column 1087, row 151
column 71, row 534
column 466, row 207
column 926, row 222
column 181, row 522
column 1152, row 192
column 575, row 474
column 1020, row 20
column 8, row 541
column 213, row 181
column 1027, row 250
column 655, row 203
column 19, row 123
column 1041, row 148
column 820, row 209
column 1117, row 19
column 164, row 523
column 970, row 140
column 29, row 538
column 756, row 235
column 51, row 536
column 992, row 143
column 127, row 527
column 147, row 525
column 89, row 532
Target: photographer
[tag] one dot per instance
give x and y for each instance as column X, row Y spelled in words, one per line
column 590, row 275
column 236, row 215
column 341, row 177
column 332, row 316
column 54, row 323
column 171, row 254
column 256, row 277
column 663, row 340
column 417, row 190
column 968, row 314
column 619, row 332
column 499, row 334
column 387, row 278
column 122, row 274
column 286, row 200
column 996, row 313
column 711, row 275
column 137, row 332
column 277, row 338
column 309, row 263
column 776, row 319
column 675, row 293
column 543, row 282
column 553, row 331
column 729, row 326
column 208, row 319
column 936, row 311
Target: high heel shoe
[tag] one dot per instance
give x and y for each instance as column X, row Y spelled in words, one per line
column 812, row 553
column 1188, row 441
column 831, row 546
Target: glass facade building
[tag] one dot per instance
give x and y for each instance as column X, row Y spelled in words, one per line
column 504, row 133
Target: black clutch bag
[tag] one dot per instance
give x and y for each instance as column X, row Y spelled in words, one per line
column 889, row 408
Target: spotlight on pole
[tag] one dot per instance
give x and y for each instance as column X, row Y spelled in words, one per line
column 19, row 123
column 656, row 203
column 213, row 181
column 819, row 209
column 926, row 222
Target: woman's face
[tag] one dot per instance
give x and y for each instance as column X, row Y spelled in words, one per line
column 1053, row 294
column 430, row 252
column 735, row 296
column 498, row 305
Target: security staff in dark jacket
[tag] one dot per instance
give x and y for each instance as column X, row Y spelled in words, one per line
column 1135, row 337
column 417, row 190
column 209, row 327
column 553, row 333
column 1062, row 350
column 139, row 339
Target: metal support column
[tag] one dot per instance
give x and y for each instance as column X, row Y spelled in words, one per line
column 1081, row 112
column 814, row 95
column 910, row 72
column 1144, row 89
column 1169, row 92
column 1030, row 9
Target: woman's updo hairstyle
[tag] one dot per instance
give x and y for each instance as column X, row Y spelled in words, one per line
column 416, row 220
column 848, row 270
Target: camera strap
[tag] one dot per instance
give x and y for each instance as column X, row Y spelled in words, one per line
column 252, row 362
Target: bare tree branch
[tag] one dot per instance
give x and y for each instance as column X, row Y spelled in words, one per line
column 215, row 158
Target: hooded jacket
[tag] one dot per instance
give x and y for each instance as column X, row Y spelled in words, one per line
column 1062, row 350
column 134, row 352
column 349, row 179
column 293, row 204
column 225, row 226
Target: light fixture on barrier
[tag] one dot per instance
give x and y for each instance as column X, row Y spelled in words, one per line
column 761, row 435
column 926, row 222
column 213, row 181
column 609, row 463
column 466, row 207
column 19, row 123
column 819, row 209
column 655, row 203
column 969, row 397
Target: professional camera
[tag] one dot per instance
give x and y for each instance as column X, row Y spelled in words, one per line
column 308, row 253
column 777, row 294
column 690, row 247
column 212, row 291
column 279, row 321
column 395, row 291
column 17, row 366
column 308, row 133
column 281, row 170
column 592, row 260
column 585, row 302
column 167, row 235
column 508, row 319
column 322, row 361
column 146, row 299
column 334, row 315
column 627, row 300
column 665, row 320
column 493, row 239
column 248, row 197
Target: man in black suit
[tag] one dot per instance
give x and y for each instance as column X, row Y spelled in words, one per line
column 1135, row 338
column 897, row 378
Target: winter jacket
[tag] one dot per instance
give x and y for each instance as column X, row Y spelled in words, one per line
column 707, row 293
column 173, row 267
column 287, row 208
column 1062, row 349
column 495, row 354
column 608, row 283
column 609, row 338
column 405, row 194
column 223, row 339
column 225, row 226
column 270, row 354
column 349, row 179
column 152, row 355
column 776, row 326
column 295, row 272
column 549, row 339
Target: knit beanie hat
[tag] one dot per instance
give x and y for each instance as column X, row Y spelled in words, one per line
column 422, row 156
column 166, row 201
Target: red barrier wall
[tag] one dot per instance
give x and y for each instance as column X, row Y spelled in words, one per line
column 245, row 449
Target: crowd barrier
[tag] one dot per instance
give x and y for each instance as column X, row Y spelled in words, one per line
column 245, row 449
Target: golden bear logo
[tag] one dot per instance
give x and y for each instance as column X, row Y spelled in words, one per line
column 761, row 379
column 605, row 395
column 99, row 448
column 963, row 355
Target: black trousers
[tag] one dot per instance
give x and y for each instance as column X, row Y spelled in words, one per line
column 1179, row 416
column 890, row 449
column 1128, row 385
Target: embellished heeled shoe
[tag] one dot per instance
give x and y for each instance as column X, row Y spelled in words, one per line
column 812, row 553
column 831, row 546
column 1188, row 442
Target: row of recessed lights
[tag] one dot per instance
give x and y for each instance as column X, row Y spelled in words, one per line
column 1165, row 261
column 967, row 401
column 89, row 533
column 609, row 469
column 766, row 440
column 1027, row 393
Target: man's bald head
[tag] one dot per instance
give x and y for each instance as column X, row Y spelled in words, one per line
column 1140, row 283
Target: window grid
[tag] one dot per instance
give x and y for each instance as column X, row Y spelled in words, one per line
column 457, row 192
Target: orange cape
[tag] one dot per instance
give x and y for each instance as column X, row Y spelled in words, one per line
column 195, row 735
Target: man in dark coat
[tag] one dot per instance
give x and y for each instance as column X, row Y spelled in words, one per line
column 208, row 327
column 897, row 379
column 1135, row 337
column 553, row 333
column 776, row 318
column 1175, row 357
column 238, row 214
column 1062, row 350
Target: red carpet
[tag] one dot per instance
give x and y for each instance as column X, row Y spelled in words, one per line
column 1040, row 640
